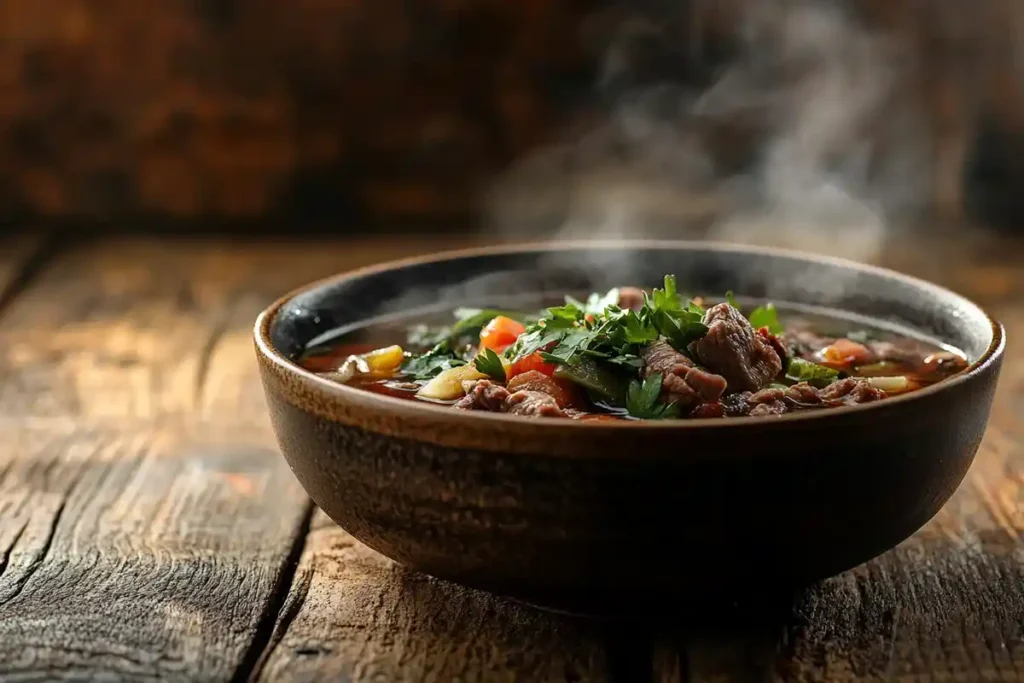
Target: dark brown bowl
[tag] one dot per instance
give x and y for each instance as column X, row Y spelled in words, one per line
column 617, row 514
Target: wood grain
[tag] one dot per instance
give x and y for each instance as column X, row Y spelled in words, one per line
column 155, row 330
column 354, row 615
column 139, row 554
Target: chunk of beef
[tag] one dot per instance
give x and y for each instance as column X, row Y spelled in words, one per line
column 850, row 391
column 706, row 410
column 803, row 396
column 483, row 395
column 770, row 408
column 777, row 342
column 734, row 350
column 681, row 382
column 533, row 404
column 565, row 393
column 631, row 298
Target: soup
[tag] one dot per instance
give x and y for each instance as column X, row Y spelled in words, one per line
column 631, row 354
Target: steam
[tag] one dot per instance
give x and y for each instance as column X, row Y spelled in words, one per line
column 813, row 99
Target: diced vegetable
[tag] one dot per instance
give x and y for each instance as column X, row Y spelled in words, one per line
column 890, row 385
column 532, row 362
column 846, row 351
column 590, row 375
column 500, row 333
column 447, row 386
column 384, row 361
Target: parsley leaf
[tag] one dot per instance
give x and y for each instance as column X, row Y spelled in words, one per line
column 667, row 299
column 431, row 363
column 489, row 363
column 766, row 316
column 800, row 370
column 635, row 331
column 642, row 400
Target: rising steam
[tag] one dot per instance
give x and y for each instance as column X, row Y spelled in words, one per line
column 834, row 146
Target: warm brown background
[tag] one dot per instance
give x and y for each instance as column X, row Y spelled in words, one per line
column 304, row 109
column 244, row 107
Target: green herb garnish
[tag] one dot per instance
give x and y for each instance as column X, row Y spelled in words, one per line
column 431, row 363
column 642, row 400
column 596, row 303
column 489, row 363
column 730, row 298
column 766, row 316
column 800, row 370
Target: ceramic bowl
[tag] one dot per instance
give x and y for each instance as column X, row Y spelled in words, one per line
column 614, row 515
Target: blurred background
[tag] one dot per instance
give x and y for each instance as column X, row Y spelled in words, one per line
column 356, row 116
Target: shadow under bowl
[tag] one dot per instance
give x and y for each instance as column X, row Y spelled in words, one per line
column 611, row 516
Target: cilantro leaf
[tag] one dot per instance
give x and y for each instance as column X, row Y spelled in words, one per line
column 800, row 370
column 766, row 316
column 489, row 363
column 642, row 400
column 431, row 363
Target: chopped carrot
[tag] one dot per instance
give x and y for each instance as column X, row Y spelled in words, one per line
column 847, row 351
column 500, row 333
column 531, row 362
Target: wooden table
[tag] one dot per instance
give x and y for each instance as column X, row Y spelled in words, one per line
column 149, row 528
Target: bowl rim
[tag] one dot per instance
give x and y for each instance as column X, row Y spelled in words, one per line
column 374, row 401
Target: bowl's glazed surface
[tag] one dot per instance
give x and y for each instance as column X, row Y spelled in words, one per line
column 619, row 514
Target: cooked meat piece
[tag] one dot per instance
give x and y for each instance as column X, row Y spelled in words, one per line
column 850, row 391
column 533, row 404
column 704, row 410
column 681, row 382
column 483, row 395
column 631, row 297
column 771, row 408
column 778, row 400
column 734, row 350
column 565, row 393
column 777, row 342
column 737, row 405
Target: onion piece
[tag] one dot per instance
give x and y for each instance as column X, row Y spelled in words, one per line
column 890, row 385
column 448, row 385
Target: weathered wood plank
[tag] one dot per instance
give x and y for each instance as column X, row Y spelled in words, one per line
column 159, row 329
column 140, row 554
column 353, row 615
